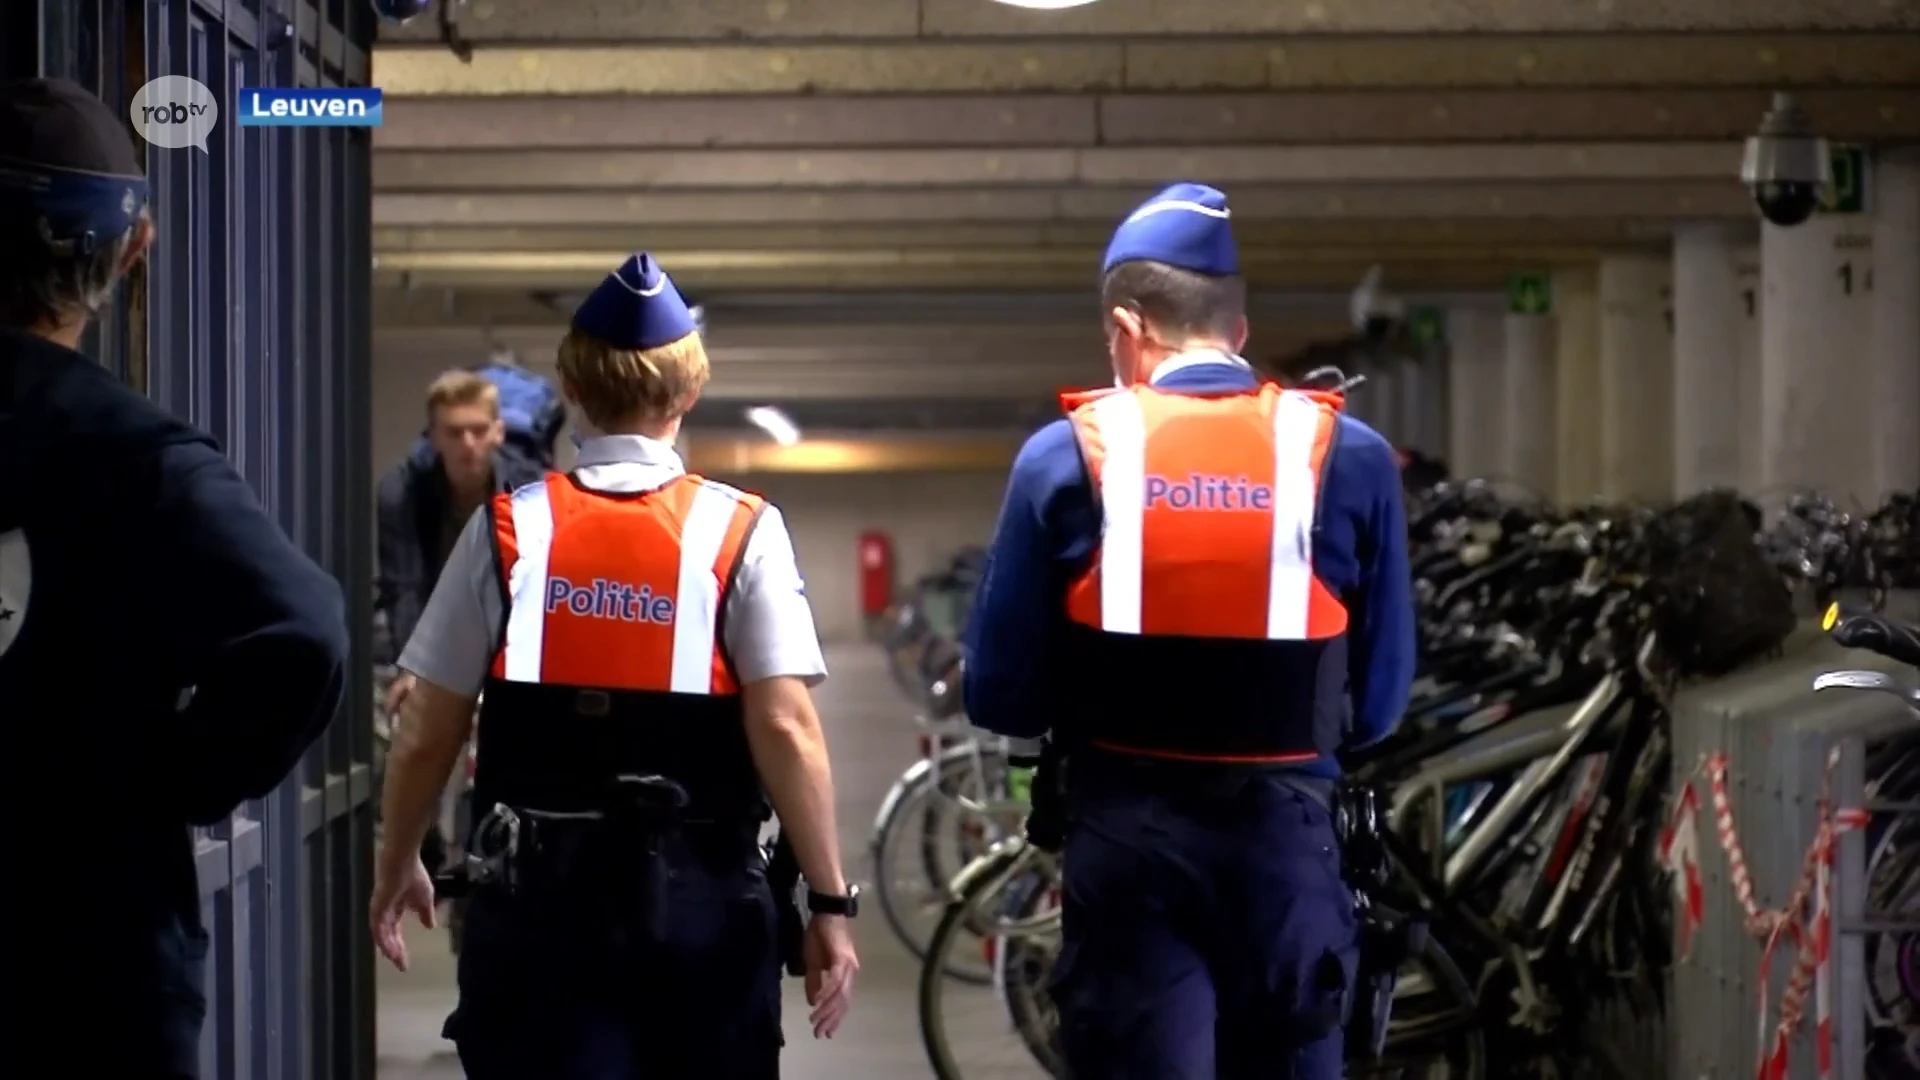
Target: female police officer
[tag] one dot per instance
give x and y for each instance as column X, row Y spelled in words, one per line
column 646, row 651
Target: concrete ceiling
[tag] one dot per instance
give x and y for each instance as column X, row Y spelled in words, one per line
column 842, row 146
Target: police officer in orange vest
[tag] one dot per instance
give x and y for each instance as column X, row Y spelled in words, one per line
column 646, row 650
column 1199, row 591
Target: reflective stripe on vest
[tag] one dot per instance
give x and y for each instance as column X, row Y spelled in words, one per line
column 1209, row 505
column 619, row 592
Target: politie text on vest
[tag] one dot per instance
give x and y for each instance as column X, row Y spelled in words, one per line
column 603, row 599
column 1202, row 492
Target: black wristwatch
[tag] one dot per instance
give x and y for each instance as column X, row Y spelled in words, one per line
column 819, row 903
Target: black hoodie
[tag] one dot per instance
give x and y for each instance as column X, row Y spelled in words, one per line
column 172, row 653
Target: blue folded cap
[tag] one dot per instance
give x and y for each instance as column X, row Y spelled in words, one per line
column 84, row 209
column 1186, row 225
column 636, row 307
column 71, row 160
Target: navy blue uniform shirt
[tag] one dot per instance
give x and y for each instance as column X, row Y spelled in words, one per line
column 1050, row 529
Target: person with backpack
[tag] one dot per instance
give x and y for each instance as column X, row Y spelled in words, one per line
column 479, row 442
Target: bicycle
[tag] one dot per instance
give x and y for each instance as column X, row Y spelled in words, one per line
column 1893, row 844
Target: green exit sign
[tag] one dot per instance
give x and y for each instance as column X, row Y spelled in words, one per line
column 1530, row 293
column 1848, row 192
column 1426, row 325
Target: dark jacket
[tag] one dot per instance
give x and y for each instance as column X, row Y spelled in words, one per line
column 175, row 655
column 412, row 505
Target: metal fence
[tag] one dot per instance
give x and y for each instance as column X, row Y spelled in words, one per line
column 1776, row 735
column 251, row 319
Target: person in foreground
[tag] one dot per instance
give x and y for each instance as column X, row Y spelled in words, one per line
column 166, row 652
column 646, row 650
column 1199, row 591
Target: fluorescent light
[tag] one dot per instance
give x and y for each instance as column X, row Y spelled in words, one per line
column 1046, row 5
column 778, row 425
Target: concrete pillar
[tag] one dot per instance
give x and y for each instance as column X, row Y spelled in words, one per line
column 1576, row 385
column 1636, row 379
column 1815, row 328
column 1747, row 276
column 1476, row 399
column 1708, row 368
column 1894, row 359
column 1383, row 382
column 1422, row 400
column 1530, row 404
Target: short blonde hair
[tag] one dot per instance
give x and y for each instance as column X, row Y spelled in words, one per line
column 459, row 388
column 618, row 386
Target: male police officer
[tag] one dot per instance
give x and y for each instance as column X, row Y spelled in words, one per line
column 165, row 651
column 1200, row 584
column 646, row 649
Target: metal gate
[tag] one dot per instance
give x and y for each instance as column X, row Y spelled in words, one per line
column 251, row 319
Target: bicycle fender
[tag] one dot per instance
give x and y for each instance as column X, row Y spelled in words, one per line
column 913, row 778
column 996, row 861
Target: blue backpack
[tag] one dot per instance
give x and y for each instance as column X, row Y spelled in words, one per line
column 530, row 407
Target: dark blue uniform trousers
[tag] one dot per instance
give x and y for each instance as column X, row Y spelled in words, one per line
column 555, row 990
column 1207, row 932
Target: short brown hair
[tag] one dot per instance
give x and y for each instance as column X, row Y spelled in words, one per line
column 458, row 388
column 617, row 386
column 1179, row 303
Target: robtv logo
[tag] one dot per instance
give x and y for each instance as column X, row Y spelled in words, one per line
column 302, row 107
column 174, row 111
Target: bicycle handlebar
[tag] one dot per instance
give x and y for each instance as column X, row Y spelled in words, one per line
column 1875, row 633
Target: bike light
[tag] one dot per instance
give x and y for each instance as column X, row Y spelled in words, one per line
column 1832, row 617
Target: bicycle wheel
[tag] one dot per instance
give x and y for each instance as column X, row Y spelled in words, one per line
column 928, row 835
column 1005, row 1030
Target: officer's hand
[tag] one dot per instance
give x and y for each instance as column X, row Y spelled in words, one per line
column 398, row 692
column 393, row 897
column 831, row 965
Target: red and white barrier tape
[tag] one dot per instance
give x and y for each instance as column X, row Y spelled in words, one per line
column 1806, row 919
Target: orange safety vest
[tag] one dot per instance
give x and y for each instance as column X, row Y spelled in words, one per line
column 1209, row 506
column 611, row 659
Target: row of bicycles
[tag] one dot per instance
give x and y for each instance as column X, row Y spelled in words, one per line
column 1523, row 795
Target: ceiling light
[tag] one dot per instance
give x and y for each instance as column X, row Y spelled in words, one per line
column 778, row 425
column 1046, row 5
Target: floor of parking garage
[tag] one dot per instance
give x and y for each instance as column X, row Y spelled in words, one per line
column 871, row 741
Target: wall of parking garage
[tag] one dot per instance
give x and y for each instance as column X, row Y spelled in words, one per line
column 250, row 319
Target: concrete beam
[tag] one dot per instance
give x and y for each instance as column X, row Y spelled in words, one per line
column 825, row 318
column 1139, row 168
column 882, row 277
column 1508, row 60
column 716, row 454
column 974, row 345
column 1878, row 114
column 735, row 20
column 1394, row 202
column 1346, row 233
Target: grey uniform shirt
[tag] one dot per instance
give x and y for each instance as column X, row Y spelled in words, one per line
column 769, row 624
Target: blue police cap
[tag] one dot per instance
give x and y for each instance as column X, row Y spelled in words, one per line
column 71, row 160
column 1187, row 225
column 637, row 307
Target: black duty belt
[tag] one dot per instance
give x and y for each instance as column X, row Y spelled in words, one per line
column 523, row 848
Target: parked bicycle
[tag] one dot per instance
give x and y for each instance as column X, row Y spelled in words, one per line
column 1892, row 954
column 1526, row 784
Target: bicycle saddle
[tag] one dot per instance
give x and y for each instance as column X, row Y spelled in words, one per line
column 1876, row 634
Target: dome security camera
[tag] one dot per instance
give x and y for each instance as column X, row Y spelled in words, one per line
column 1376, row 312
column 1786, row 166
column 401, row 11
